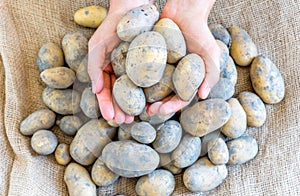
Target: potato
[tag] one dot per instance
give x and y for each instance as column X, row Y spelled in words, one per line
column 44, row 142
column 82, row 71
column 155, row 119
column 137, row 21
column 163, row 88
column 58, row 77
column 220, row 33
column 124, row 131
column 146, row 59
column 40, row 119
column 204, row 176
column 70, row 124
column 187, row 152
column 224, row 54
column 143, row 132
column 75, row 47
column 217, row 151
column 90, row 140
column 78, row 181
column 167, row 163
column 62, row 154
column 91, row 16
column 159, row 182
column 83, row 117
column 89, row 104
column 267, row 80
column 168, row 137
column 229, row 71
column 50, row 55
column 174, row 39
column 62, row 101
column 242, row 150
column 118, row 58
column 208, row 137
column 224, row 89
column 254, row 108
column 130, row 159
column 231, row 128
column 130, row 98
column 205, row 117
column 101, row 175
column 79, row 86
column 112, row 123
column 188, row 76
column 242, row 50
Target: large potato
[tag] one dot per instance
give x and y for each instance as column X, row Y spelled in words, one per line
column 242, row 50
column 44, row 142
column 205, row 117
column 220, row 33
column 217, row 151
column 224, row 89
column 118, row 58
column 40, row 119
column 58, row 77
column 70, row 124
column 224, row 54
column 188, row 76
column 130, row 159
column 137, row 21
column 101, row 175
column 62, row 154
column 146, row 59
column 143, row 132
column 89, row 104
column 82, row 71
column 91, row 16
column 229, row 71
column 50, row 55
column 174, row 39
column 267, row 80
column 155, row 119
column 128, row 96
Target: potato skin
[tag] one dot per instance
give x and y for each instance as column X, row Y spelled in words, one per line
column 229, row 71
column 155, row 119
column 224, row 89
column 124, row 131
column 242, row 50
column 40, row 119
column 267, row 80
column 224, row 54
column 62, row 154
column 143, row 132
column 58, row 77
column 50, row 55
column 217, row 151
column 220, row 33
column 101, row 175
column 89, row 104
column 118, row 58
column 91, row 16
column 70, row 124
column 44, row 142
column 167, row 163
column 208, row 137
column 82, row 71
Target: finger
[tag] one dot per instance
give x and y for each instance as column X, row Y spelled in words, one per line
column 129, row 119
column 154, row 108
column 173, row 105
column 119, row 116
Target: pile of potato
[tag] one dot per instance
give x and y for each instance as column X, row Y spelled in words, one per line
column 151, row 62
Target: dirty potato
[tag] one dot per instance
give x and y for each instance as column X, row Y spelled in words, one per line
column 70, row 124
column 224, row 54
column 89, row 104
column 101, row 175
column 58, row 77
column 82, row 71
column 91, row 16
column 44, row 142
column 62, row 154
column 217, row 151
column 220, row 33
column 118, row 58
column 143, row 132
column 224, row 89
column 229, row 71
column 155, row 119
column 50, row 55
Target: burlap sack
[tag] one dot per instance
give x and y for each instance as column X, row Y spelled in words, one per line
column 26, row 25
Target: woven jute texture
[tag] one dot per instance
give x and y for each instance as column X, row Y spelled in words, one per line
column 25, row 26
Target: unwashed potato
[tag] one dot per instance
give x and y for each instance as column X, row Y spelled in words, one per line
column 155, row 119
column 224, row 89
column 40, row 119
column 242, row 50
column 160, row 182
column 44, row 142
column 143, row 132
column 217, row 151
column 75, row 47
column 204, row 176
column 50, row 55
column 91, row 16
column 62, row 101
column 89, row 104
column 167, row 163
column 58, row 77
column 78, row 181
column 219, row 32
column 62, row 154
column 124, row 131
column 101, row 175
column 174, row 39
column 118, row 58
column 267, row 80
column 130, row 159
column 224, row 54
column 82, row 71
column 229, row 71
column 137, row 21
column 188, row 76
column 70, row 124
column 146, row 59
column 207, row 138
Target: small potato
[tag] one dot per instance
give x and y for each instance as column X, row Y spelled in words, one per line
column 174, row 39
column 143, row 132
column 204, row 176
column 62, row 154
column 82, row 71
column 217, row 151
column 58, row 77
column 220, row 33
column 267, row 80
column 62, row 101
column 118, row 58
column 128, row 96
column 155, row 119
column 237, row 123
column 130, row 159
column 229, row 71
column 124, row 131
column 78, row 181
column 188, row 76
column 205, row 117
column 146, row 59
column 101, row 175
column 168, row 137
column 224, row 54
column 159, row 182
column 91, row 16
column 50, row 55
column 187, row 152
column 75, row 47
column 167, row 163
column 242, row 50
column 254, row 108
column 44, row 142
column 40, row 119
column 224, row 89
column 137, row 21
column 242, row 150
column 207, row 138
column 163, row 88
column 70, row 124
column 89, row 104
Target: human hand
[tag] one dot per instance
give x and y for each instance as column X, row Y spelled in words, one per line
column 191, row 17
